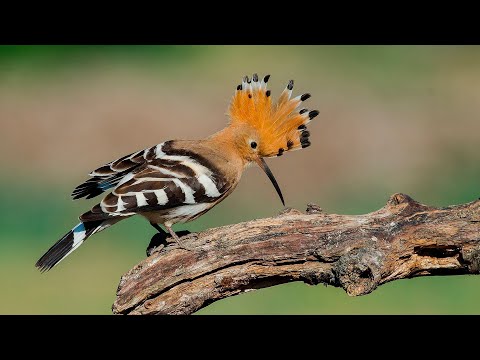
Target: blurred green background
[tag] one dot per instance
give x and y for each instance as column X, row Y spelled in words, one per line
column 392, row 119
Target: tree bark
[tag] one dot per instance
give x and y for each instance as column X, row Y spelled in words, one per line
column 403, row 239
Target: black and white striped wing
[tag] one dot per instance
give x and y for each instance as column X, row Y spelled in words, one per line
column 167, row 180
column 109, row 175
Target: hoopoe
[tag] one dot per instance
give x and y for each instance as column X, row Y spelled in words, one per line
column 179, row 180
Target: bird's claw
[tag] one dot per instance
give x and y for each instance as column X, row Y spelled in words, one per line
column 157, row 243
column 183, row 233
column 180, row 244
column 160, row 240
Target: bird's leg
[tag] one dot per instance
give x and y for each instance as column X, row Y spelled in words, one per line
column 175, row 237
column 158, row 228
column 159, row 240
column 161, row 231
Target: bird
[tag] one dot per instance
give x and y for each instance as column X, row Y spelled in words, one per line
column 177, row 181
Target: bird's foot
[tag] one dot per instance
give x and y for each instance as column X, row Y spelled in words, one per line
column 180, row 243
column 161, row 239
column 183, row 233
column 157, row 243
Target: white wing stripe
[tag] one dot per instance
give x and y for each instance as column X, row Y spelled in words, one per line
column 195, row 166
column 191, row 163
column 162, row 198
column 141, row 199
column 158, row 151
column 166, row 172
column 210, row 187
column 127, row 177
column 187, row 190
column 153, row 179
column 121, row 204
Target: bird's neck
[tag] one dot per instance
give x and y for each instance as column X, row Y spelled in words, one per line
column 226, row 143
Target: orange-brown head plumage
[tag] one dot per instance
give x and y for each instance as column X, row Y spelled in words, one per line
column 270, row 128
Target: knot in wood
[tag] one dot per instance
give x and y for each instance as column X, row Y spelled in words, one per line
column 399, row 198
column 404, row 205
column 472, row 258
column 313, row 208
column 359, row 271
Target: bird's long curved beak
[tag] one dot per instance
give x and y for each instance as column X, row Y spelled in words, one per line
column 265, row 168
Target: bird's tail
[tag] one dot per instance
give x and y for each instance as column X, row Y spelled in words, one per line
column 70, row 241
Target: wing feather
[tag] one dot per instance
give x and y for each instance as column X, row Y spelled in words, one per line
column 168, row 180
column 111, row 174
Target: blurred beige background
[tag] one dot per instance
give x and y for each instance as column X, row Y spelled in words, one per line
column 392, row 119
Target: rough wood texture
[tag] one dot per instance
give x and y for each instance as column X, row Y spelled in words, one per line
column 355, row 252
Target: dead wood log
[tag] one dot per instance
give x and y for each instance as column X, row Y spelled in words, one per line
column 355, row 252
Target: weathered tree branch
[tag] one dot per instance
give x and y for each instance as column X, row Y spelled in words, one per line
column 355, row 252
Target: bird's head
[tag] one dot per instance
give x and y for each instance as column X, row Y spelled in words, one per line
column 262, row 128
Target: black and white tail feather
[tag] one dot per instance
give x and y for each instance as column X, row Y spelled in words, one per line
column 70, row 241
column 103, row 178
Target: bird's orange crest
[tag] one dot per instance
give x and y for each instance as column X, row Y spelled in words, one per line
column 281, row 125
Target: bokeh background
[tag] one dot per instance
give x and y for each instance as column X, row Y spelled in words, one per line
column 392, row 119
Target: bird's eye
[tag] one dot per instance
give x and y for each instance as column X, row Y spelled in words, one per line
column 253, row 144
